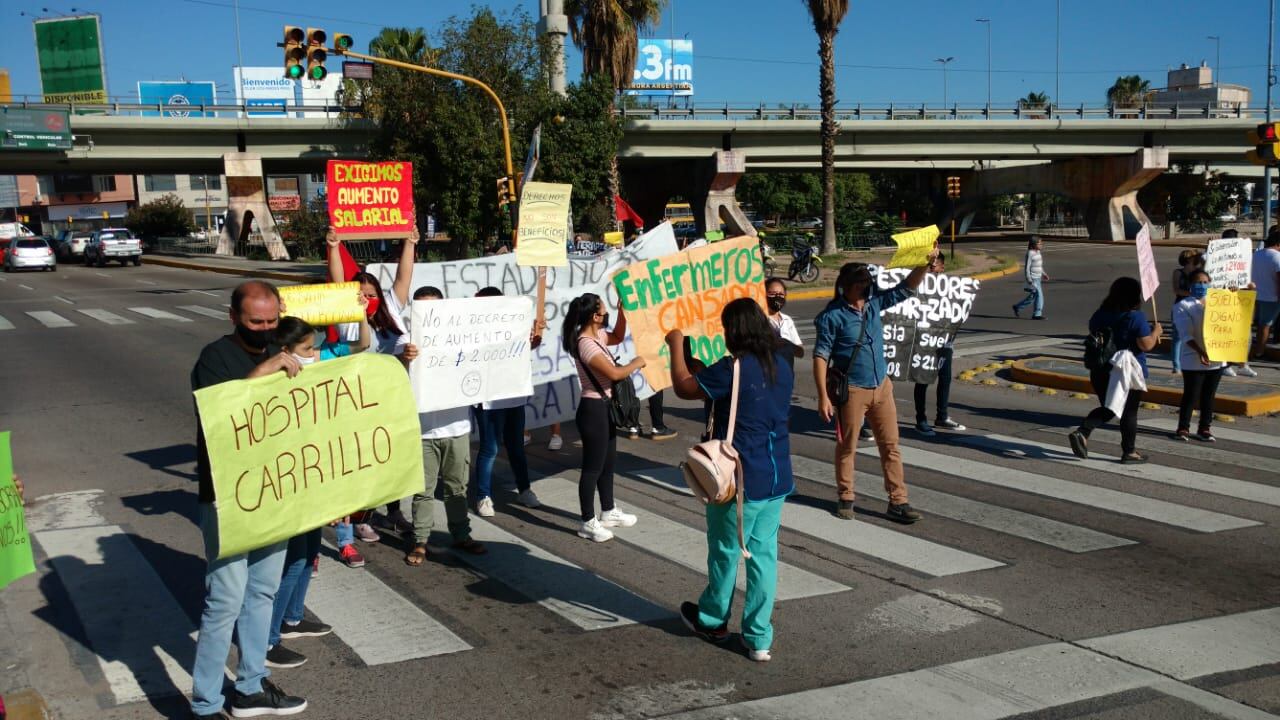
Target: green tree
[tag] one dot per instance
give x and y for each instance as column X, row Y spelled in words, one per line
column 579, row 145
column 1198, row 198
column 304, row 229
column 165, row 216
column 1129, row 91
column 827, row 16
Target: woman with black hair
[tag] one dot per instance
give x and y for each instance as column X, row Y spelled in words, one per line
column 763, row 443
column 586, row 340
column 1130, row 331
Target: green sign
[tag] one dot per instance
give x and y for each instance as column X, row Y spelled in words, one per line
column 15, row 544
column 69, row 54
column 34, row 129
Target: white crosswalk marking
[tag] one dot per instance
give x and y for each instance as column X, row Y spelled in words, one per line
column 5, row 324
column 986, row 348
column 1193, row 450
column 1179, row 477
column 1240, row 436
column 417, row 634
column 159, row 314
column 922, row 556
column 1030, row 680
column 682, row 544
column 575, row 594
column 1065, row 536
column 1166, row 513
column 50, row 319
column 107, row 317
column 207, row 312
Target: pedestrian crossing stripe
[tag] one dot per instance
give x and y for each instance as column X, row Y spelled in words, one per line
column 207, row 312
column 921, row 556
column 107, row 317
column 159, row 314
column 1193, row 450
column 50, row 319
column 1240, row 436
column 1178, row 477
column 5, row 324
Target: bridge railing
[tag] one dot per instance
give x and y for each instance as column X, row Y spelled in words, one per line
column 184, row 111
column 1020, row 111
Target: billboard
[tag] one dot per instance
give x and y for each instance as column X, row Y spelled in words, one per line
column 69, row 55
column 176, row 92
column 324, row 92
column 663, row 67
column 22, row 129
column 6, row 91
column 266, row 88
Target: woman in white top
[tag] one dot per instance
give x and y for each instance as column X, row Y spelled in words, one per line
column 586, row 340
column 1200, row 376
column 1034, row 274
column 775, row 292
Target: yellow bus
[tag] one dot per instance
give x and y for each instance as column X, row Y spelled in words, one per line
column 679, row 213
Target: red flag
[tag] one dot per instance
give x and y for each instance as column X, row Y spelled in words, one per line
column 625, row 212
column 349, row 269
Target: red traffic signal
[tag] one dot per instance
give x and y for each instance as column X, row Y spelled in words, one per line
column 1266, row 144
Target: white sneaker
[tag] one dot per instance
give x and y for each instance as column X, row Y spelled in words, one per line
column 528, row 499
column 617, row 518
column 527, row 438
column 1247, row 371
column 760, row 656
column 593, row 530
column 555, row 443
column 484, row 508
column 1229, row 371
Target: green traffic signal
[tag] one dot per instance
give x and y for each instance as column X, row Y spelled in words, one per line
column 295, row 72
column 318, row 72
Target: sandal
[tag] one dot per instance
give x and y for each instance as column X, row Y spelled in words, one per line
column 470, row 546
column 1132, row 459
column 417, row 556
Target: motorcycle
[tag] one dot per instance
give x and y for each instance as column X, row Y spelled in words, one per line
column 768, row 259
column 805, row 263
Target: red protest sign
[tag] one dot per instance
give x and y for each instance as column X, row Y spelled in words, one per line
column 370, row 200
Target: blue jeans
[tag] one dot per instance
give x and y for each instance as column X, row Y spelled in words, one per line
column 346, row 534
column 1034, row 295
column 290, row 599
column 1175, row 342
column 507, row 425
column 239, row 593
column 760, row 522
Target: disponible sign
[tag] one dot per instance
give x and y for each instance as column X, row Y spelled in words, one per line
column 471, row 350
column 916, row 329
column 69, row 52
column 370, row 200
column 289, row 455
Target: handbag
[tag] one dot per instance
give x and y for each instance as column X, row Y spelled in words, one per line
column 837, row 379
column 713, row 470
column 624, row 405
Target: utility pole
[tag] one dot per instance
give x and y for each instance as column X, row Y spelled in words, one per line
column 1057, row 57
column 1217, row 60
column 987, row 22
column 239, row 57
column 555, row 25
column 943, row 62
column 1271, row 80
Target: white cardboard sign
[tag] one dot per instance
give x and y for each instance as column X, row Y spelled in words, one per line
column 1229, row 262
column 470, row 351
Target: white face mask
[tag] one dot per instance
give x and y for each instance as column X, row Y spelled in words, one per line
column 304, row 360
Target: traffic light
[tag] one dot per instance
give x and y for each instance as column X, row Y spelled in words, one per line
column 316, row 54
column 1266, row 145
column 342, row 42
column 293, row 52
column 953, row 187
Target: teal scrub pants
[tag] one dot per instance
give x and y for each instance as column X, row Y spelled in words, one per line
column 760, row 522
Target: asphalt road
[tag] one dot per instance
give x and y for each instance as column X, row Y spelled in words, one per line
column 1019, row 593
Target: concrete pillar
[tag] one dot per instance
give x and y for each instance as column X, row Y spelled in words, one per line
column 555, row 25
column 717, row 186
column 1104, row 189
column 246, row 202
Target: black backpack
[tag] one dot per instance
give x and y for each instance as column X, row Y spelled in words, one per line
column 624, row 404
column 1101, row 345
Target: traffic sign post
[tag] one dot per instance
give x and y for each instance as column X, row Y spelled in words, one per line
column 953, row 192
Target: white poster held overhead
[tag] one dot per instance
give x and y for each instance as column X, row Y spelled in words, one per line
column 471, row 350
column 1229, row 262
column 1147, row 271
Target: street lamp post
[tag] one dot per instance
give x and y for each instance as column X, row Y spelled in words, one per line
column 1057, row 56
column 943, row 62
column 987, row 22
column 1217, row 58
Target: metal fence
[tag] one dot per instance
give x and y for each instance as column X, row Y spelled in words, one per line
column 925, row 111
column 783, row 242
column 194, row 113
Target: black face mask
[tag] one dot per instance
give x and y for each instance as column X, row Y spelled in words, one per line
column 776, row 304
column 604, row 320
column 258, row 339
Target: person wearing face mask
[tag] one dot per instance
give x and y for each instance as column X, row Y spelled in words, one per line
column 239, row 589
column 1200, row 376
column 775, row 292
column 850, row 350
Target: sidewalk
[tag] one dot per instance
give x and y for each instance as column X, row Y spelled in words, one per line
column 288, row 271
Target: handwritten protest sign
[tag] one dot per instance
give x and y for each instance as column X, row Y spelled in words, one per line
column 916, row 330
column 914, row 247
column 15, row 543
column 1147, row 272
column 291, row 454
column 1229, row 262
column 370, row 200
column 323, row 303
column 687, row 291
column 472, row 350
column 542, row 240
column 1227, row 317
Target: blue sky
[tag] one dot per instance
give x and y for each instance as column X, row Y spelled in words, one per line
column 745, row 51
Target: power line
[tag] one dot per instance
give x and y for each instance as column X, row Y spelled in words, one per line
column 286, row 13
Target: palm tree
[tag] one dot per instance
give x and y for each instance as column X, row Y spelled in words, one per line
column 1129, row 91
column 826, row 16
column 607, row 32
column 1035, row 99
column 403, row 44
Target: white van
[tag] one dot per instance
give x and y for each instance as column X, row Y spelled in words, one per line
column 12, row 230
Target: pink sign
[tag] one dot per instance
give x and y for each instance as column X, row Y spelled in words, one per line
column 1148, row 273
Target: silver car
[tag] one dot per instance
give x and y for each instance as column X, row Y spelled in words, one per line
column 30, row 252
column 71, row 245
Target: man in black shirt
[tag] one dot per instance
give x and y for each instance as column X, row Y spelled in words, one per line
column 240, row 589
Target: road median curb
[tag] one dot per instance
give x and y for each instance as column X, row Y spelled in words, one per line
column 242, row 272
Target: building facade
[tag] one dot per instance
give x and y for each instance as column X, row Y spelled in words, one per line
column 1194, row 87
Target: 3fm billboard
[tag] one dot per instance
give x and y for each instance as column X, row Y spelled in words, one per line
column 69, row 55
column 663, row 67
column 177, row 92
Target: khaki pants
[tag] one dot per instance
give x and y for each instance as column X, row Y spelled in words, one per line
column 878, row 406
